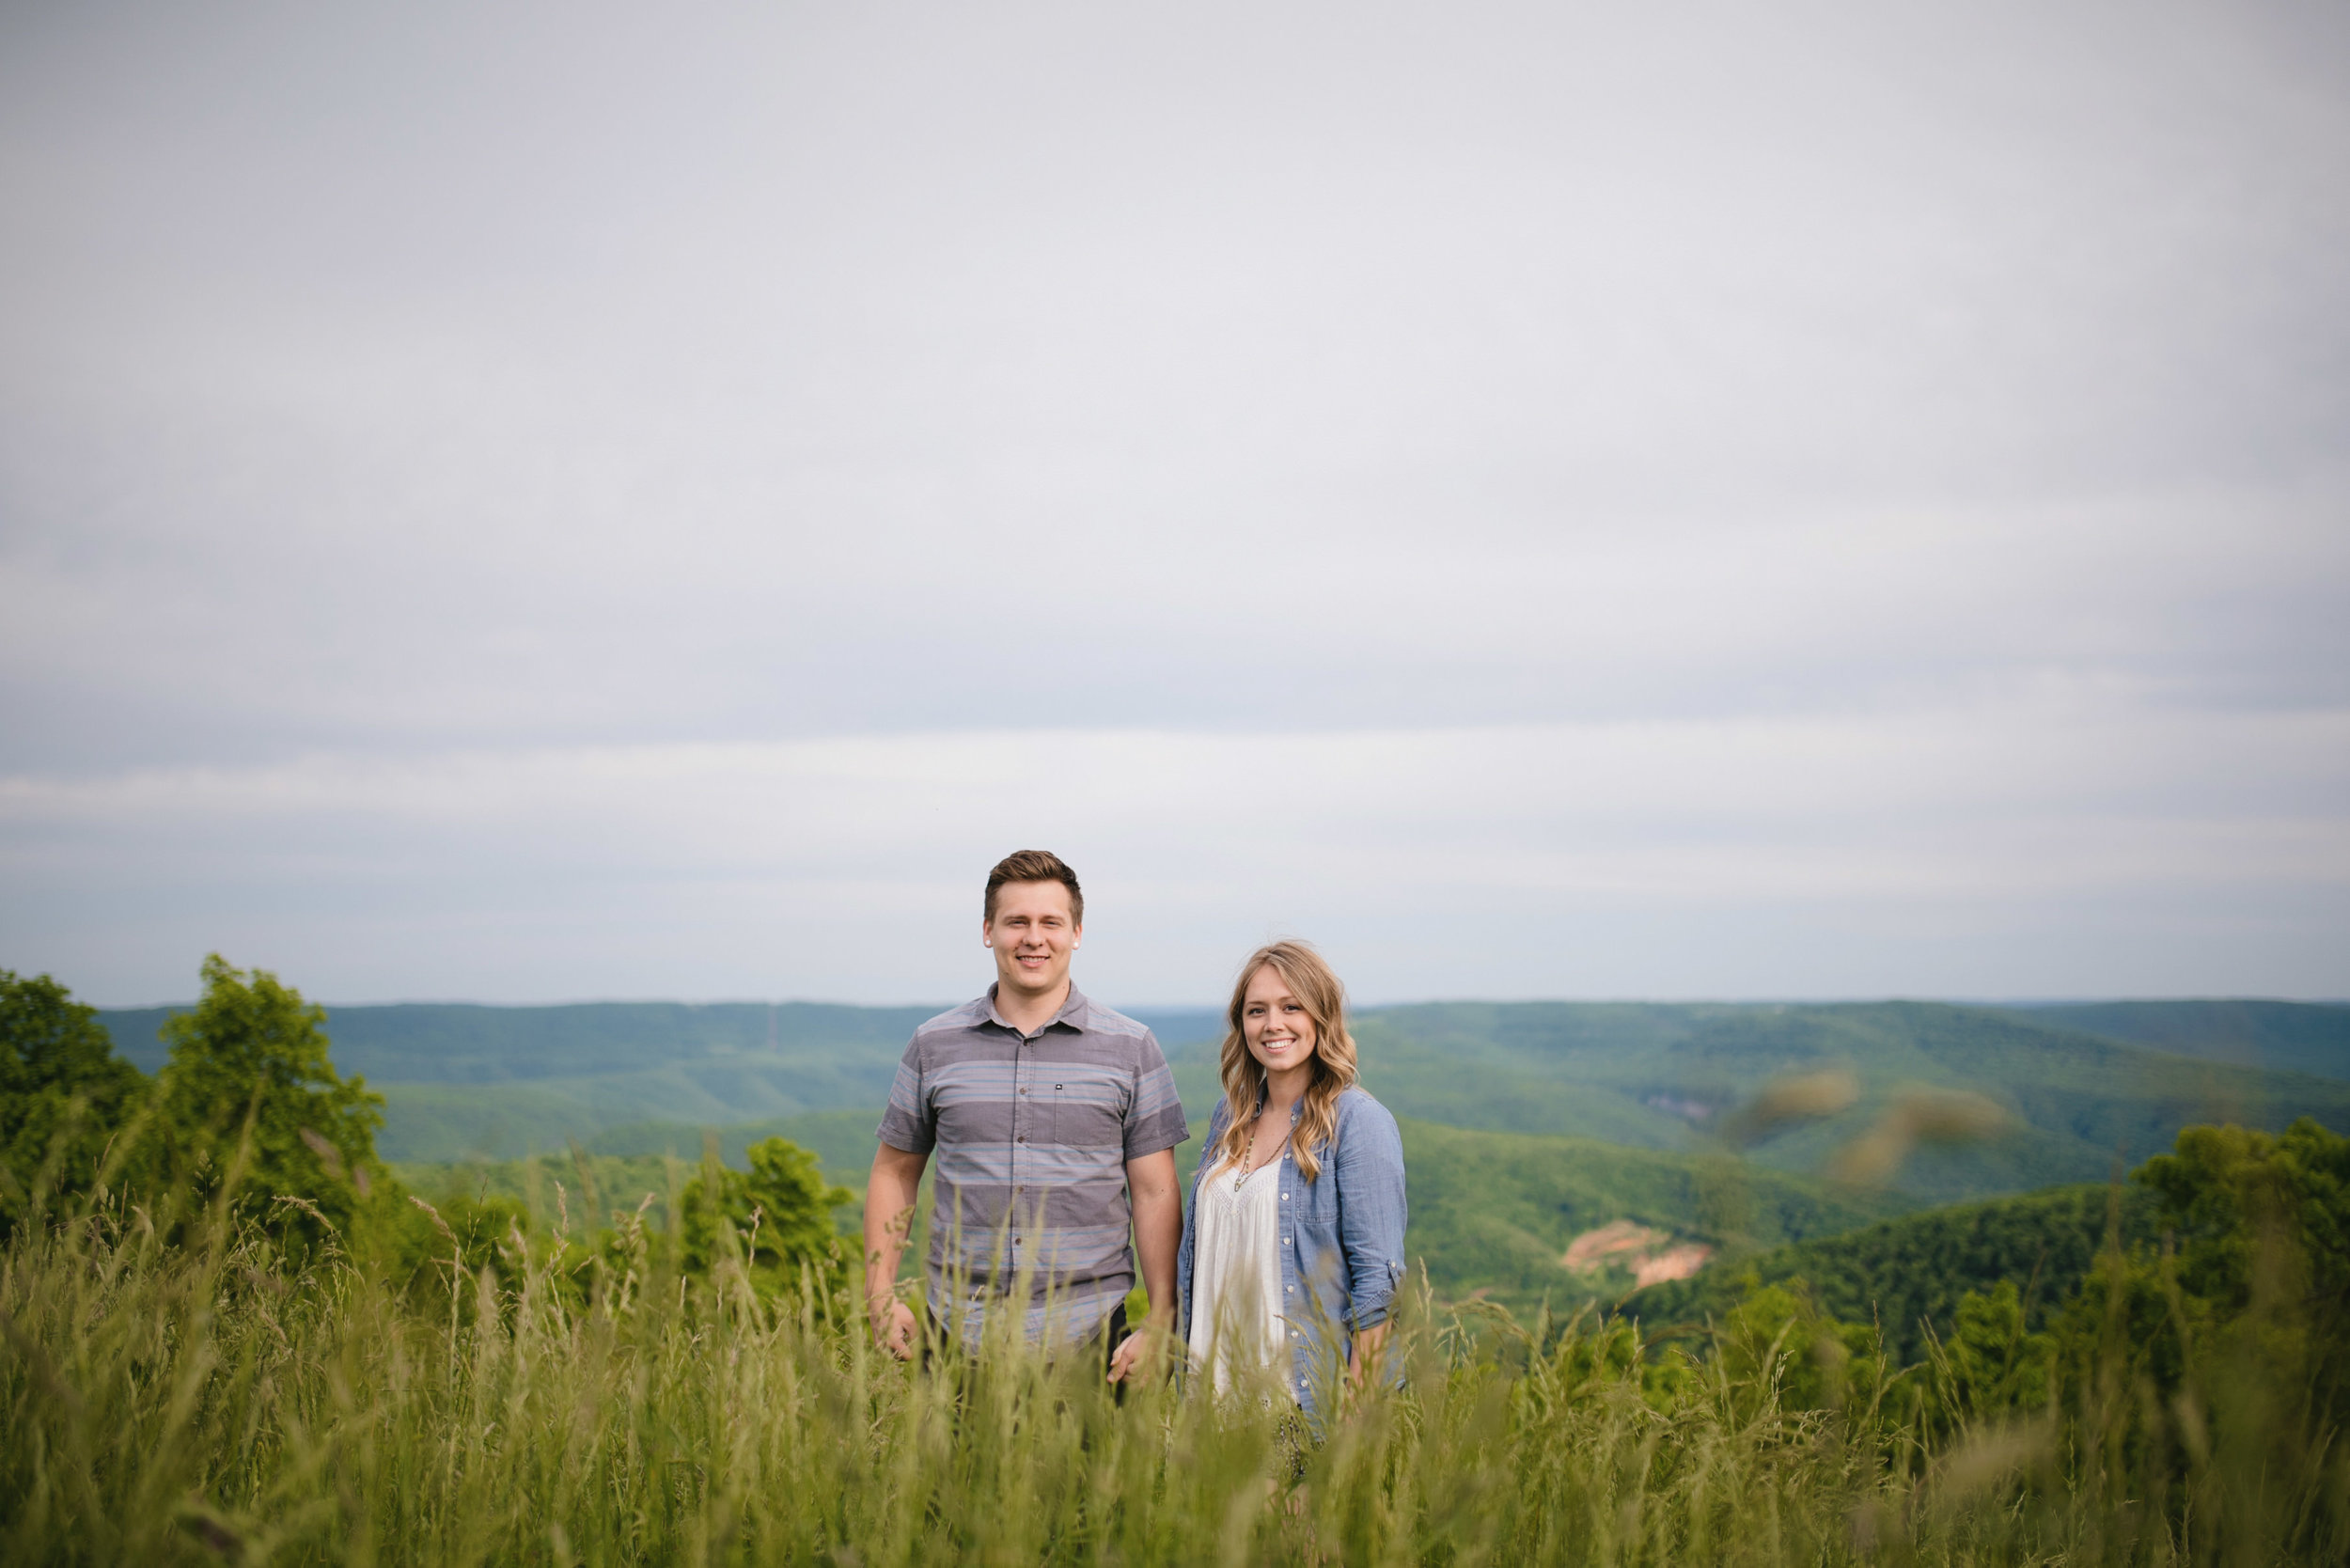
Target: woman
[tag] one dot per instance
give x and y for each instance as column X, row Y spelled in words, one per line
column 1293, row 1239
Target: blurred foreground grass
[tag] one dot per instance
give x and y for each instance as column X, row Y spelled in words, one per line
column 220, row 1400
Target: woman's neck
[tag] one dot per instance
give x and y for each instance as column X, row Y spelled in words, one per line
column 1283, row 1089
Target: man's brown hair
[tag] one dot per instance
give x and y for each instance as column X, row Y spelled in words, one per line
column 1037, row 866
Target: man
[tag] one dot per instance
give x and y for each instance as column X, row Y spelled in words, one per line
column 1046, row 1110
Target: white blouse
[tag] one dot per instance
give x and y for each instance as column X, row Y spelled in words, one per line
column 1236, row 1273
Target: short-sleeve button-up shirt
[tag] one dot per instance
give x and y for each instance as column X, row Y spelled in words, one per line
column 1032, row 1135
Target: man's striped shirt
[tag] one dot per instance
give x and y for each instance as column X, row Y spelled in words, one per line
column 1032, row 1134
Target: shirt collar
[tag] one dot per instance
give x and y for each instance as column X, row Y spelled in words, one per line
column 1072, row 1009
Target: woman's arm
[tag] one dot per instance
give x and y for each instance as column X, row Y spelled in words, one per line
column 1368, row 1163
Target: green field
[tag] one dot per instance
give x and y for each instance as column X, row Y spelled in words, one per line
column 230, row 1335
column 222, row 1401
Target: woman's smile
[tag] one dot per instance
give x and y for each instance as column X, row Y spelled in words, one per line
column 1279, row 1029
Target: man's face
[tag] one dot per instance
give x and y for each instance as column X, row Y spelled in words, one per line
column 1032, row 935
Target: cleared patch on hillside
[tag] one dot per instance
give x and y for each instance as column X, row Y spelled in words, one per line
column 1651, row 1256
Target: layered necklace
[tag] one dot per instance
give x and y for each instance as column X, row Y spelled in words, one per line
column 1247, row 1166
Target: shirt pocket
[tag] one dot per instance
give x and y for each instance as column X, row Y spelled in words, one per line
column 1320, row 1199
column 1087, row 1110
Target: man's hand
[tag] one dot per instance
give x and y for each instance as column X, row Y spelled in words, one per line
column 893, row 1329
column 1158, row 1205
column 890, row 1194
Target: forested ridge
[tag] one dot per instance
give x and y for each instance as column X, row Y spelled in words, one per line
column 1908, row 1276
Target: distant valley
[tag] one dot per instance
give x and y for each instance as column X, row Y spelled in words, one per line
column 1556, row 1151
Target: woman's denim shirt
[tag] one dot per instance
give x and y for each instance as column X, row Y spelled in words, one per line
column 1341, row 1239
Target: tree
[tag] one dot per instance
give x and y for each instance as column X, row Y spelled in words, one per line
column 2258, row 1215
column 2224, row 1354
column 1779, row 1332
column 2259, row 1279
column 1991, row 1364
column 786, row 1189
column 250, row 1062
column 64, row 1094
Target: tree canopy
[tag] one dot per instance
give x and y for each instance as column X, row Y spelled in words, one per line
column 64, row 1093
column 780, row 1211
column 252, row 1098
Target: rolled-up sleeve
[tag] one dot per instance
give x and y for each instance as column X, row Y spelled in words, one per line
column 1367, row 1163
column 910, row 1122
column 1155, row 1113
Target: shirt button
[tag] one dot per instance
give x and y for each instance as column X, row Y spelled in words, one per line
column 1023, row 1089
column 1024, row 1138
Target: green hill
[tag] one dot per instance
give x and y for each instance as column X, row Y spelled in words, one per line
column 593, row 1185
column 841, row 1140
column 1493, row 1213
column 453, row 1121
column 1911, row 1271
column 465, row 1081
column 2295, row 1037
column 459, row 1042
column 1665, row 1075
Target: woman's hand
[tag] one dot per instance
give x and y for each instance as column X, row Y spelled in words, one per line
column 1143, row 1347
column 1363, row 1356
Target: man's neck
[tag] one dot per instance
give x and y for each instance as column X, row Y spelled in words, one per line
column 1029, row 1013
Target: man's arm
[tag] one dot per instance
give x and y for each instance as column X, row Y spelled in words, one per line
column 1158, row 1205
column 890, row 1194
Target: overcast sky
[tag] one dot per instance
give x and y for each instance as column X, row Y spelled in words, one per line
column 1681, row 500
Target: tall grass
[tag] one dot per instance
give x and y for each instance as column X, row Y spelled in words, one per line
column 222, row 1400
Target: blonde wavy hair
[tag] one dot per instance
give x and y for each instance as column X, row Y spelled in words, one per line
column 1317, row 987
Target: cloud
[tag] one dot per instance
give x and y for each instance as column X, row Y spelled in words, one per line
column 855, row 857
column 1825, row 499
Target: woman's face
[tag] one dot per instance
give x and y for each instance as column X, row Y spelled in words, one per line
column 1279, row 1029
